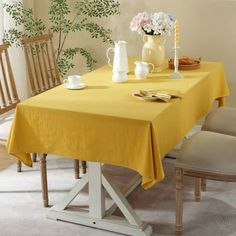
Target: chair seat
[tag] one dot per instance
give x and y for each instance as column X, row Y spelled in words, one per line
column 222, row 120
column 209, row 152
column 5, row 125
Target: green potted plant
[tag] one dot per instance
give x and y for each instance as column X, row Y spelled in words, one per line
column 63, row 22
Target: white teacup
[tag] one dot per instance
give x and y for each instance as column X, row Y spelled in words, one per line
column 73, row 80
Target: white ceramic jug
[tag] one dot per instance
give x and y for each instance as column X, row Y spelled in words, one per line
column 142, row 69
column 119, row 77
column 120, row 62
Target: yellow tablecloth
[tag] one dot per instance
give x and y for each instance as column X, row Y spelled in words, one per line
column 104, row 123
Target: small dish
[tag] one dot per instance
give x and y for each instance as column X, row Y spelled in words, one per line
column 191, row 63
column 79, row 86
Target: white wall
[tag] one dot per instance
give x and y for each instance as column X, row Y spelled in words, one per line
column 207, row 30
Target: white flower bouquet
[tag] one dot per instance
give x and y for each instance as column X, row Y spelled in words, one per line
column 159, row 23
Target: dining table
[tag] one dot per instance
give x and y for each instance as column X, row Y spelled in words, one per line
column 103, row 123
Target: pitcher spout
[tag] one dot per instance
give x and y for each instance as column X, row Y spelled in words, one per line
column 120, row 42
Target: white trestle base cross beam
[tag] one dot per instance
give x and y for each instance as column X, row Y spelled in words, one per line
column 98, row 216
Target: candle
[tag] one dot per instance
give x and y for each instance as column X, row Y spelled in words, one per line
column 176, row 30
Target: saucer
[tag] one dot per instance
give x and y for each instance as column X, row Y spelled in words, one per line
column 79, row 86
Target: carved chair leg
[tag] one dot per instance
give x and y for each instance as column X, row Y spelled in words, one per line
column 204, row 184
column 76, row 169
column 43, row 168
column 19, row 166
column 34, row 157
column 84, row 167
column 197, row 192
column 179, row 201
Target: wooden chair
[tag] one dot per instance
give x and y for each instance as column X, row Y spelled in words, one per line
column 8, row 95
column 43, row 75
column 206, row 155
column 41, row 63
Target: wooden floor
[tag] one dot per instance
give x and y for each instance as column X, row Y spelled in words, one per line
column 5, row 159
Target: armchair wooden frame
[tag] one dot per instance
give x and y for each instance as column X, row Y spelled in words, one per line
column 199, row 176
column 201, row 184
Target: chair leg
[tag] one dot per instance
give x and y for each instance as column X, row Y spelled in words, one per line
column 179, row 201
column 18, row 166
column 34, row 157
column 204, row 184
column 84, row 167
column 76, row 169
column 43, row 168
column 197, row 192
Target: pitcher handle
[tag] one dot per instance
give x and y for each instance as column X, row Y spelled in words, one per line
column 153, row 67
column 145, row 38
column 65, row 81
column 108, row 58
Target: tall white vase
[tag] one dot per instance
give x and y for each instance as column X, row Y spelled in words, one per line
column 154, row 51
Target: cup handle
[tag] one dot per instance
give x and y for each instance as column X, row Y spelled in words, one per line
column 65, row 81
column 153, row 67
column 108, row 58
column 145, row 38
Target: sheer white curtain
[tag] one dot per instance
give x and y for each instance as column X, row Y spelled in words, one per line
column 1, row 21
column 16, row 54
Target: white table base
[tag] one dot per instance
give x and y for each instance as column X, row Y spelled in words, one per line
column 98, row 216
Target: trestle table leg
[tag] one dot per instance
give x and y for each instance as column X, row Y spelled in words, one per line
column 96, row 216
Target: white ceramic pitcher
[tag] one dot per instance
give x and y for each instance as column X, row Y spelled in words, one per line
column 142, row 69
column 120, row 63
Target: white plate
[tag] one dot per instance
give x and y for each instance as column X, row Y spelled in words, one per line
column 79, row 86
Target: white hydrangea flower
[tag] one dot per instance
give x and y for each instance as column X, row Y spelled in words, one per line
column 158, row 23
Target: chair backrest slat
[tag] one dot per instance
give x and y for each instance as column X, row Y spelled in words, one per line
column 50, row 66
column 57, row 76
column 41, row 63
column 8, row 93
column 30, row 72
column 5, row 81
column 10, row 74
column 34, row 67
column 45, row 64
column 44, row 86
column 3, row 100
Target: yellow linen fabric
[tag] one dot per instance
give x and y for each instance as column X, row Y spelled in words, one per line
column 104, row 123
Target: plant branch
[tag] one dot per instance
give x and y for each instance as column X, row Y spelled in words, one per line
column 59, row 42
column 59, row 16
column 66, row 35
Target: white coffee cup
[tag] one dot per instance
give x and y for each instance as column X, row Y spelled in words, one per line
column 72, row 80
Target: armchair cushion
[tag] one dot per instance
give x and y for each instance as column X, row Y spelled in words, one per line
column 222, row 120
column 209, row 152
